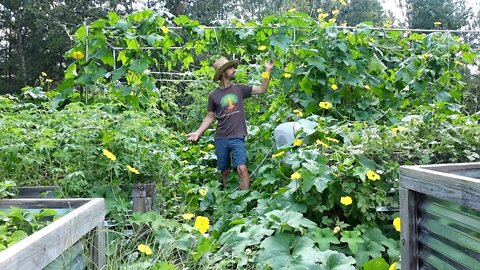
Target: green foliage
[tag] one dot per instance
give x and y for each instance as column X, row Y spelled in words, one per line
column 35, row 35
column 367, row 74
column 422, row 14
column 7, row 189
column 16, row 224
column 40, row 147
column 358, row 11
column 395, row 99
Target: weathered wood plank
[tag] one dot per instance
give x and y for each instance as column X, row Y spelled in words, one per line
column 462, row 192
column 98, row 249
column 37, row 192
column 44, row 246
column 438, row 176
column 43, row 203
column 408, row 237
column 449, row 167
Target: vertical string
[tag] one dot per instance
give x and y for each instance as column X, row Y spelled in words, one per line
column 86, row 58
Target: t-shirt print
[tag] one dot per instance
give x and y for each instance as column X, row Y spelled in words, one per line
column 227, row 104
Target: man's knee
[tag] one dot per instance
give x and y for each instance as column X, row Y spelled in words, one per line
column 242, row 169
column 225, row 173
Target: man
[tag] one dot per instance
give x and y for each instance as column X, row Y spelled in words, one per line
column 225, row 104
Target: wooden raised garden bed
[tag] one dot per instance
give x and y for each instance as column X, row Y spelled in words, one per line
column 440, row 216
column 84, row 220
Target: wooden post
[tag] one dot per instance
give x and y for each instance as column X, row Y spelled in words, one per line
column 98, row 247
column 142, row 197
column 408, row 237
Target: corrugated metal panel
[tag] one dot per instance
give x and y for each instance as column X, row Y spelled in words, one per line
column 448, row 235
column 71, row 259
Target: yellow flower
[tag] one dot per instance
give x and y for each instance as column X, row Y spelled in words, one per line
column 344, row 23
column 132, row 169
column 319, row 10
column 393, row 266
column 77, row 55
column 188, row 216
column 296, row 175
column 287, row 75
column 109, row 155
column 398, row 129
column 184, row 161
column 347, row 200
column 210, row 146
column 279, row 154
column 366, row 87
column 332, row 20
column 336, row 12
column 145, row 249
column 321, row 143
column 396, row 223
column 322, row 16
column 332, row 140
column 292, row 10
column 336, row 229
column 203, row 191
column 44, row 74
column 202, row 224
column 343, row 2
column 165, row 29
column 334, row 86
column 298, row 112
column 266, row 75
column 437, row 24
column 297, row 142
column 387, row 24
column 262, row 48
column 325, row 104
column 372, row 175
column 48, row 80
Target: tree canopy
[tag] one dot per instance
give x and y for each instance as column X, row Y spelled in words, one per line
column 430, row 14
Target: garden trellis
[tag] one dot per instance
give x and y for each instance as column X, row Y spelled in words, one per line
column 314, row 54
column 295, row 29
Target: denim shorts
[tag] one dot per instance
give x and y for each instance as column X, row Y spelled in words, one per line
column 230, row 149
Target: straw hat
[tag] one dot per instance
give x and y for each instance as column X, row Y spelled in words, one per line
column 221, row 65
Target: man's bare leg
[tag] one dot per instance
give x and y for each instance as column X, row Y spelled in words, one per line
column 224, row 174
column 245, row 178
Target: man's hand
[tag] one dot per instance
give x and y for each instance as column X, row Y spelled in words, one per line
column 193, row 137
column 269, row 65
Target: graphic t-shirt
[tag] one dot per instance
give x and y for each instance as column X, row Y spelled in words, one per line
column 227, row 104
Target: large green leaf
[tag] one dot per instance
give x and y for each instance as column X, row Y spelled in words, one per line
column 318, row 175
column 353, row 239
column 139, row 65
column 324, row 237
column 280, row 41
column 17, row 236
column 317, row 62
column 307, row 126
column 376, row 264
column 286, row 251
column 290, row 218
column 333, row 260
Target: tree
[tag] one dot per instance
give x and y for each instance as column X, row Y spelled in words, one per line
column 35, row 37
column 422, row 14
column 358, row 11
